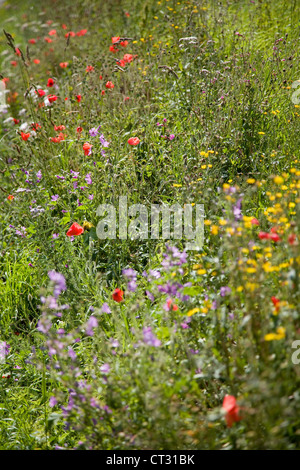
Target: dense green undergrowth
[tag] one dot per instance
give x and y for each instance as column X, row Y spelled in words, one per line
column 209, row 89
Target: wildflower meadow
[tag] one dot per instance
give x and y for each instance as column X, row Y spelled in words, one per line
column 149, row 250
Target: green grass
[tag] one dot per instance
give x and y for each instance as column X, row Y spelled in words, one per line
column 226, row 95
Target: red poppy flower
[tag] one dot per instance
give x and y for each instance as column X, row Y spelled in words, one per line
column 123, row 43
column 63, row 65
column 59, row 128
column 50, row 82
column 32, row 41
column 254, row 221
column 59, row 138
column 48, row 40
column 52, row 32
column 75, row 230
column 263, row 235
column 86, row 147
column 274, row 237
column 276, row 303
column 25, row 136
column 134, row 141
column 82, row 32
column 36, row 61
column 90, row 68
column 128, row 58
column 109, row 85
column 13, row 63
column 117, row 295
column 292, row 238
column 113, row 49
column 35, row 126
column 78, row 98
column 102, row 92
column 70, row 33
column 126, row 98
column 79, row 130
column 17, row 51
column 232, row 410
column 127, row 14
column 115, row 39
column 40, row 92
column 16, row 121
column 52, row 98
column 171, row 305
column 121, row 62
column 100, row 77
column 10, row 197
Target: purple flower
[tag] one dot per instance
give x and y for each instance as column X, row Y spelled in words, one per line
column 105, row 368
column 4, row 350
column 52, row 401
column 55, row 197
column 149, row 338
column 72, row 354
column 88, row 178
column 171, row 136
column 132, row 285
column 131, row 276
column 39, row 176
column 150, row 295
column 22, row 233
column 44, row 325
column 105, row 308
column 91, row 197
column 55, row 235
column 237, row 210
column 59, row 281
column 224, row 290
column 114, row 343
column 130, row 273
column 92, row 323
column 103, row 141
column 94, row 132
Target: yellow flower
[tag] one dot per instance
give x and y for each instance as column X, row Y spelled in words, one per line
column 193, row 311
column 278, row 180
column 251, row 270
column 214, row 230
column 87, row 225
column 276, row 336
column 201, row 271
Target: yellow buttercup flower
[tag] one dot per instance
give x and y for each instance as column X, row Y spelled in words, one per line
column 193, row 311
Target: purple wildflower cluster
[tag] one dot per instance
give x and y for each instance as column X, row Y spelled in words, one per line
column 131, row 275
column 163, row 124
column 93, row 133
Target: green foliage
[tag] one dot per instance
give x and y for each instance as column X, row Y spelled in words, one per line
column 208, row 92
